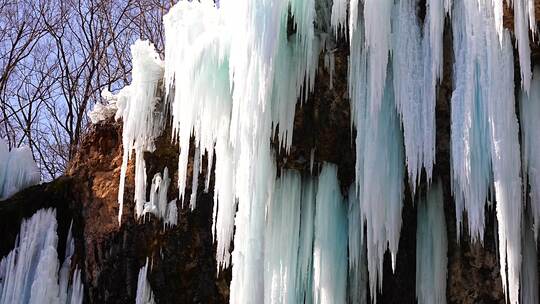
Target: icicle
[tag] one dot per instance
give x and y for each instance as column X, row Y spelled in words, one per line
column 529, row 267
column 144, row 290
column 282, row 240
column 4, row 157
column 304, row 273
column 485, row 134
column 431, row 249
column 171, row 218
column 142, row 120
column 377, row 16
column 330, row 245
column 311, row 160
column 30, row 272
column 471, row 155
column 506, row 162
column 379, row 158
column 417, row 110
column 247, row 285
column 158, row 199
column 224, row 201
column 195, row 181
column 530, row 141
column 358, row 276
column 522, row 17
column 339, row 17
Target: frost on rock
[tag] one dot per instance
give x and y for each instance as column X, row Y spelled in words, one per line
column 18, row 170
column 30, row 273
column 143, row 116
column 530, row 141
column 485, row 147
column 144, row 290
column 431, row 248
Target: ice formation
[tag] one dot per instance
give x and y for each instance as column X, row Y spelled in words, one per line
column 225, row 95
column 530, row 141
column 330, row 244
column 378, row 141
column 431, row 248
column 144, row 290
column 485, row 146
column 529, row 268
column 232, row 76
column 358, row 276
column 158, row 204
column 143, row 116
column 282, row 237
column 18, row 170
column 31, row 273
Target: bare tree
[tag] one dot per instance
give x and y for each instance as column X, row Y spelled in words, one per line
column 56, row 56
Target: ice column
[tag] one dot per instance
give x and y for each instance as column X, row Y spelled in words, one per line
column 530, row 141
column 330, row 245
column 282, row 238
column 144, row 290
column 431, row 248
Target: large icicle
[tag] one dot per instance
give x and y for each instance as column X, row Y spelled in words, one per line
column 282, row 240
column 379, row 161
column 431, row 249
column 144, row 290
column 505, row 155
column 247, row 285
column 304, row 273
column 530, row 142
column 414, row 89
column 377, row 17
column 484, row 131
column 471, row 155
column 30, row 273
column 142, row 119
column 523, row 21
column 330, row 245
